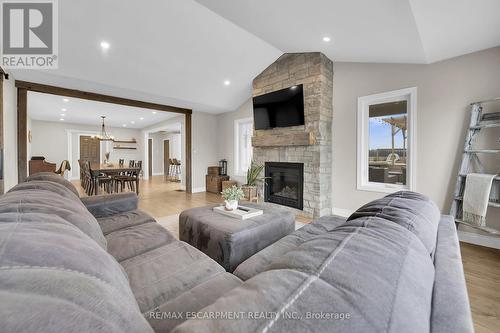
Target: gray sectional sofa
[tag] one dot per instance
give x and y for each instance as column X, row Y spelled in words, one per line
column 98, row 264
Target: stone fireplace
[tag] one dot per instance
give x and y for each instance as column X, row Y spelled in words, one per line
column 309, row 145
column 285, row 184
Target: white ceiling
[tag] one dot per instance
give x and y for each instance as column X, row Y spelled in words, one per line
column 80, row 111
column 174, row 52
column 399, row 31
column 179, row 52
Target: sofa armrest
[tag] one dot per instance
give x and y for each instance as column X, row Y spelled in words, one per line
column 110, row 204
column 450, row 303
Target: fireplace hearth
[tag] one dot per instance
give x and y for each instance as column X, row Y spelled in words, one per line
column 285, row 185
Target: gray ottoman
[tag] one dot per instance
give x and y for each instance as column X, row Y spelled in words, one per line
column 231, row 241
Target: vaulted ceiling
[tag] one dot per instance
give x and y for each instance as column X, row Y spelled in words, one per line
column 180, row 52
column 399, row 31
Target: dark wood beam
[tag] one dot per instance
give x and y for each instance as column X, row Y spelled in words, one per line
column 42, row 88
column 22, row 110
column 188, row 131
column 22, row 135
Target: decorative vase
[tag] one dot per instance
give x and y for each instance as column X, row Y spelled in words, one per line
column 231, row 204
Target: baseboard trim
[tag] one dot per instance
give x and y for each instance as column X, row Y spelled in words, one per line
column 342, row 212
column 199, row 189
column 478, row 239
column 157, row 174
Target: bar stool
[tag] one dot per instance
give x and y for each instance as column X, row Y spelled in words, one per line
column 171, row 168
column 177, row 170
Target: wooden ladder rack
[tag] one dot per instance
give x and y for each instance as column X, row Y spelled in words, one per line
column 478, row 121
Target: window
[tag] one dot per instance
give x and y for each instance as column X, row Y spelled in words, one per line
column 243, row 130
column 386, row 141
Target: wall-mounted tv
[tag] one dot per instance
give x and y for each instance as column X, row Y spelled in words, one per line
column 282, row 108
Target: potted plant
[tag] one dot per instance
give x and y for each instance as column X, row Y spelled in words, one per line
column 231, row 195
column 253, row 178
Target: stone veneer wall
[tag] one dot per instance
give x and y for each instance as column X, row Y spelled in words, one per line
column 315, row 72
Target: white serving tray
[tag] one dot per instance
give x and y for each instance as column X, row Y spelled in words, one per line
column 241, row 213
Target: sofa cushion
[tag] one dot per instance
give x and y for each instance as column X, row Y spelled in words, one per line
column 105, row 205
column 47, row 186
column 450, row 303
column 47, row 200
column 54, row 278
column 160, row 275
column 371, row 272
column 261, row 260
column 55, row 178
column 175, row 311
column 133, row 241
column 123, row 220
column 413, row 211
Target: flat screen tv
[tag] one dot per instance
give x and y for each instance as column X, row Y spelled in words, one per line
column 282, row 108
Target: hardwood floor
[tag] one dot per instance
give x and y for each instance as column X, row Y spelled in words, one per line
column 482, row 275
column 481, row 265
column 161, row 198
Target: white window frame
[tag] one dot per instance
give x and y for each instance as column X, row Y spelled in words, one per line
column 237, row 123
column 363, row 183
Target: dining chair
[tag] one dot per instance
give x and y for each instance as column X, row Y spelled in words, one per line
column 138, row 164
column 128, row 179
column 88, row 184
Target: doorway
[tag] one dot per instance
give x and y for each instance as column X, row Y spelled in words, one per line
column 64, row 94
column 167, row 147
column 90, row 149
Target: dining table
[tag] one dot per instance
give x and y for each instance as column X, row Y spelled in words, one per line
column 97, row 169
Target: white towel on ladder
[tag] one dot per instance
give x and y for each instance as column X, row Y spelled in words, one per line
column 476, row 198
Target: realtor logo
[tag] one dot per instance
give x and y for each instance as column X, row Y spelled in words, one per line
column 29, row 34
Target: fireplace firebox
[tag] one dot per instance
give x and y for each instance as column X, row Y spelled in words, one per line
column 285, row 184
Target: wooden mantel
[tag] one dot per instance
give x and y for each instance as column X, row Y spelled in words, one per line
column 282, row 140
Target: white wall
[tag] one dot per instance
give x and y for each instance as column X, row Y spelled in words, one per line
column 175, row 150
column 445, row 90
column 203, row 145
column 10, row 132
column 50, row 139
column 161, row 126
column 205, row 129
column 225, row 137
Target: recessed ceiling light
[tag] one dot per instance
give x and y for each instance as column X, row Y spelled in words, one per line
column 154, row 112
column 132, row 122
column 62, row 114
column 124, row 125
column 104, row 45
column 65, row 100
column 61, row 119
column 227, row 82
column 326, row 39
column 142, row 118
column 63, row 110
